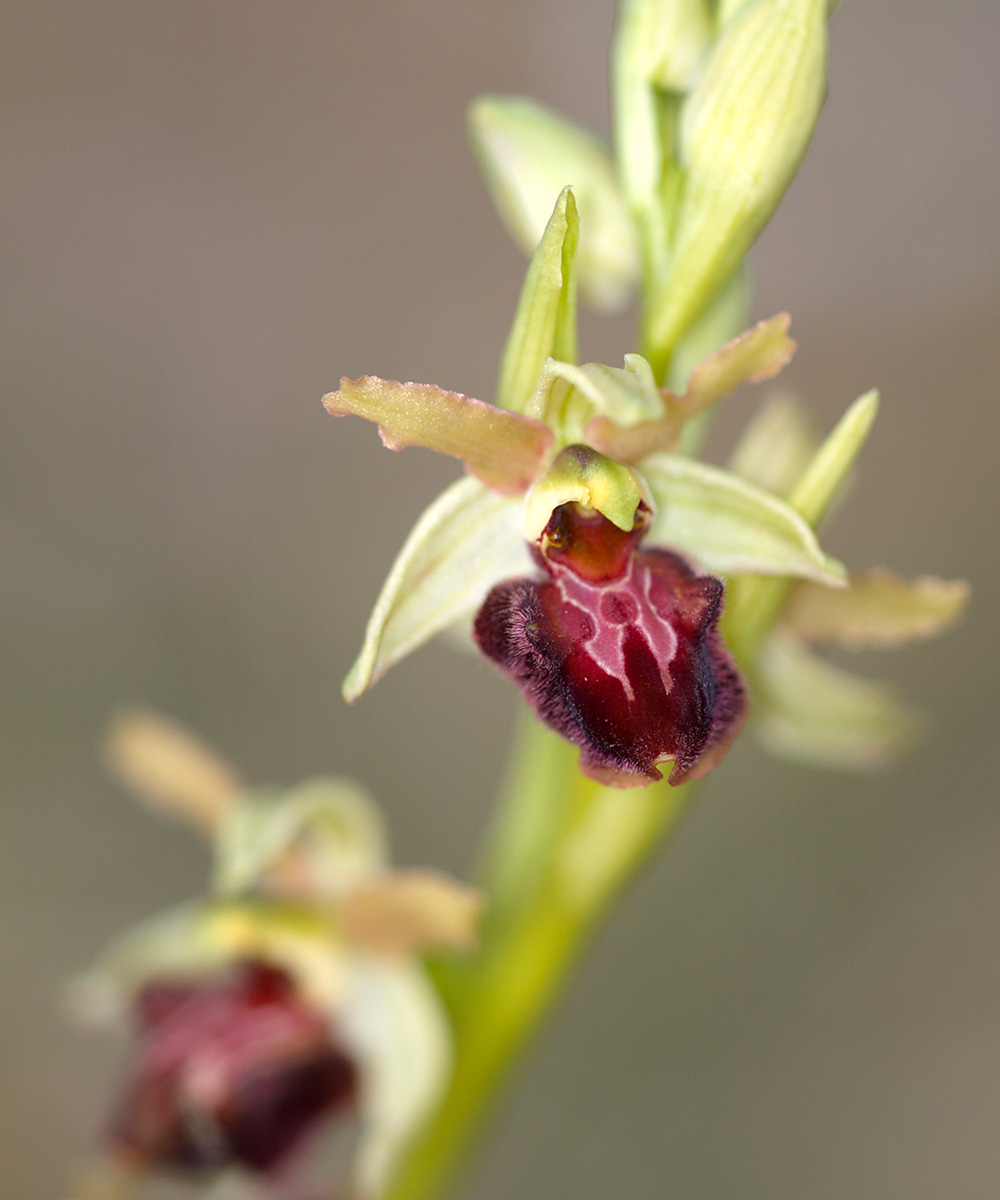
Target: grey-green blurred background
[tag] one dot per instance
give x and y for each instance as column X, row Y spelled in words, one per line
column 213, row 210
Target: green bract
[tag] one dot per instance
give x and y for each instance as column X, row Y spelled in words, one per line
column 805, row 707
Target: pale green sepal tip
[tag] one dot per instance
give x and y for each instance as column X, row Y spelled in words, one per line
column 545, row 321
column 744, row 128
column 812, row 711
column 729, row 526
column 467, row 540
column 581, row 475
column 332, row 822
column 726, row 10
column 528, row 154
column 819, row 484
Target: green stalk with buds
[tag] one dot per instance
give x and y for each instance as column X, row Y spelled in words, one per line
column 648, row 605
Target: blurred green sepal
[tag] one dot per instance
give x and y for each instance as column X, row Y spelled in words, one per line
column 528, row 154
column 876, row 610
column 582, row 476
column 776, row 445
column 178, row 943
column 320, row 838
column 809, row 710
column 398, row 1023
column 742, row 131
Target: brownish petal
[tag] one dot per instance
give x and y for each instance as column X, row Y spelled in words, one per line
column 755, row 355
column 505, row 450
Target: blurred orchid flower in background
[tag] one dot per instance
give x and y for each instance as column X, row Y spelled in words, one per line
column 289, row 1000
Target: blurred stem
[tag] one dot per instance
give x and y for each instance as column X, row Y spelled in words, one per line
column 551, row 894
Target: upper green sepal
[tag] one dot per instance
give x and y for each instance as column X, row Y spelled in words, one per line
column 528, row 154
column 545, row 321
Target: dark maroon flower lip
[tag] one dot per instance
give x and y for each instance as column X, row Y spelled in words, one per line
column 617, row 648
column 236, row 1069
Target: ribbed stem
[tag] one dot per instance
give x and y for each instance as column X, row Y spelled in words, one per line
column 594, row 839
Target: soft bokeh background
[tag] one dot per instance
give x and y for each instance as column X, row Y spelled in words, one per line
column 211, row 211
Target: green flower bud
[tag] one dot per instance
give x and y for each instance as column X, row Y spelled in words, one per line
column 667, row 40
column 659, row 47
column 743, row 131
column 528, row 155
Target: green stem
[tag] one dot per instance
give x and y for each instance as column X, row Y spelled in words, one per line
column 596, row 839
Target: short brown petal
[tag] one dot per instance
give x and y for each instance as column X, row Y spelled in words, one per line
column 408, row 912
column 758, row 354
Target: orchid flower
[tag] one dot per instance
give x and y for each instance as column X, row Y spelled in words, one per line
column 571, row 455
column 290, row 996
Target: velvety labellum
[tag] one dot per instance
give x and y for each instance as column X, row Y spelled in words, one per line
column 232, row 1070
column 617, row 649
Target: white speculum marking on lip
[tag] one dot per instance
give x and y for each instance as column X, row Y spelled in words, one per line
column 619, row 606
